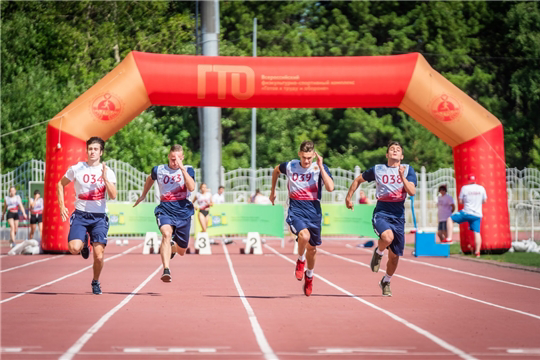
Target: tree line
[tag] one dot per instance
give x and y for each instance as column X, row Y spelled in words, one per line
column 52, row 52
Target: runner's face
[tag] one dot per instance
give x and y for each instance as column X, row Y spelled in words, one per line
column 94, row 152
column 395, row 153
column 306, row 158
column 175, row 159
column 12, row 192
column 203, row 188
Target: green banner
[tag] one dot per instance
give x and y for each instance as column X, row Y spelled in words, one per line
column 126, row 219
column 226, row 219
column 338, row 220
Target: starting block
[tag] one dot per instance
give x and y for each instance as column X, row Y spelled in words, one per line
column 202, row 244
column 425, row 245
column 151, row 243
column 253, row 244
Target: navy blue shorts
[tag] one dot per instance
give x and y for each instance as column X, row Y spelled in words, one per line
column 382, row 223
column 180, row 227
column 298, row 224
column 95, row 224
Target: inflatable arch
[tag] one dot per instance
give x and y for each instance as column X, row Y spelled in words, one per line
column 403, row 81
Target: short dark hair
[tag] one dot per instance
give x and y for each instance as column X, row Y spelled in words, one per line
column 307, row 146
column 257, row 191
column 393, row 142
column 36, row 192
column 221, row 187
column 443, row 187
column 94, row 140
column 176, row 148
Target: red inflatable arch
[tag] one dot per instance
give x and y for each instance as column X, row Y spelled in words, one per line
column 403, row 81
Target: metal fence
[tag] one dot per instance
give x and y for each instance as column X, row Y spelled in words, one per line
column 523, row 189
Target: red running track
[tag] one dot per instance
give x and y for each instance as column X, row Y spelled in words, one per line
column 232, row 306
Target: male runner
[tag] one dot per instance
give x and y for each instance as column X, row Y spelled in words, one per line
column 173, row 214
column 394, row 181
column 304, row 181
column 91, row 180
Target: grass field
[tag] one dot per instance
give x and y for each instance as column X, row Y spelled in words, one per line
column 520, row 258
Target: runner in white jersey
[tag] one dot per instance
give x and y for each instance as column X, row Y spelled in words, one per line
column 12, row 204
column 394, row 181
column 472, row 196
column 92, row 179
column 203, row 201
column 305, row 179
column 36, row 211
column 173, row 214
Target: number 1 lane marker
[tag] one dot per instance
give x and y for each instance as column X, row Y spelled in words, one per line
column 415, row 328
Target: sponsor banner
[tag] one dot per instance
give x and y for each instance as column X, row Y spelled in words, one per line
column 126, row 219
column 338, row 220
column 227, row 219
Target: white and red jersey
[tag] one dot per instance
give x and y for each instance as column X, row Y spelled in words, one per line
column 204, row 200
column 472, row 196
column 12, row 203
column 305, row 188
column 390, row 192
column 38, row 206
column 174, row 192
column 89, row 186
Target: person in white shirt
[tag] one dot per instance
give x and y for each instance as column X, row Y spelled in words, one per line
column 260, row 199
column 472, row 196
column 12, row 204
column 92, row 179
column 203, row 200
column 36, row 211
column 445, row 205
column 219, row 197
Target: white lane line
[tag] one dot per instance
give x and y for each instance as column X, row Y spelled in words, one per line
column 66, row 276
column 459, row 271
column 31, row 263
column 74, row 349
column 439, row 288
column 416, row 328
column 257, row 330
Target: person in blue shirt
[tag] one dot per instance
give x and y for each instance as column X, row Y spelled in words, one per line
column 173, row 214
column 394, row 181
column 305, row 179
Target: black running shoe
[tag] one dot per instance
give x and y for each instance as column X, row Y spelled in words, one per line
column 166, row 277
column 96, row 287
column 172, row 252
column 85, row 252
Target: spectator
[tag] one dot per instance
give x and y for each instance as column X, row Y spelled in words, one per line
column 12, row 204
column 219, row 197
column 445, row 204
column 472, row 196
column 203, row 201
column 362, row 199
column 260, row 199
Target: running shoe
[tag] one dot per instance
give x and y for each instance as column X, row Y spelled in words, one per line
column 172, row 252
column 385, row 287
column 308, row 285
column 166, row 277
column 11, row 244
column 96, row 287
column 375, row 261
column 299, row 272
column 477, row 255
column 85, row 252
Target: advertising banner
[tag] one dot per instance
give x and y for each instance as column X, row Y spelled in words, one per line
column 226, row 219
column 338, row 220
column 126, row 219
